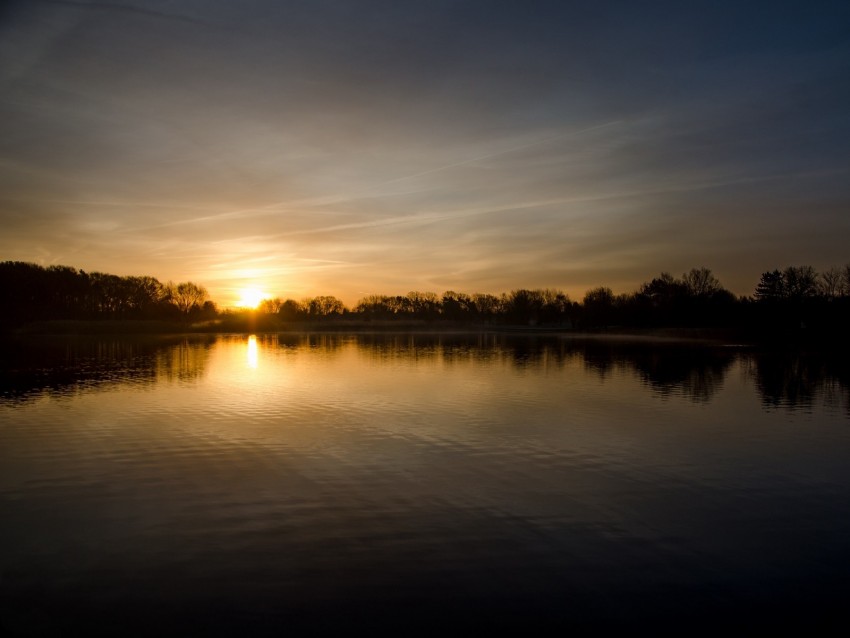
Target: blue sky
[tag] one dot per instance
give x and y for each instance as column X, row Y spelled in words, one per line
column 352, row 148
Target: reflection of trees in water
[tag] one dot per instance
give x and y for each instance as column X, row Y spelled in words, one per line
column 798, row 380
column 789, row 379
column 329, row 342
column 698, row 379
column 183, row 361
column 60, row 366
column 488, row 348
column 696, row 372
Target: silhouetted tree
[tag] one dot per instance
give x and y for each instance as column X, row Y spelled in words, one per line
column 830, row 284
column 664, row 289
column 290, row 310
column 791, row 300
column 598, row 305
column 845, row 281
column 488, row 307
column 30, row 292
column 186, row 296
column 373, row 307
column 771, row 286
column 270, row 306
column 801, row 282
column 324, row 306
column 556, row 308
column 701, row 283
column 145, row 295
column 425, row 305
column 65, row 291
column 523, row 306
column 662, row 301
column 457, row 306
column 209, row 310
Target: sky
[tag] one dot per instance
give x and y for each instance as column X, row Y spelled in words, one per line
column 364, row 147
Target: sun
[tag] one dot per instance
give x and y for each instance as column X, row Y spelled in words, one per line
column 251, row 297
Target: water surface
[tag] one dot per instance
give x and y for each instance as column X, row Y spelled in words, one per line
column 321, row 483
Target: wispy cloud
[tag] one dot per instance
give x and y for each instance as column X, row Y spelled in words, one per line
column 130, row 9
column 319, row 148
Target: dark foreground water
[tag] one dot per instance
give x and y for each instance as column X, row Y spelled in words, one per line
column 416, row 484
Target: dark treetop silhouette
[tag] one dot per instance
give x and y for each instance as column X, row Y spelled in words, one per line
column 794, row 299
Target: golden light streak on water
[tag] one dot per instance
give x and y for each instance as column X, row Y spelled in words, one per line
column 253, row 353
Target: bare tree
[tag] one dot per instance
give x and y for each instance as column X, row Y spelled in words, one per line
column 845, row 282
column 830, row 283
column 187, row 295
column 323, row 306
column 487, row 305
column 801, row 282
column 700, row 282
column 271, row 306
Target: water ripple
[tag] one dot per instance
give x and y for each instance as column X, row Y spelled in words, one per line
column 370, row 476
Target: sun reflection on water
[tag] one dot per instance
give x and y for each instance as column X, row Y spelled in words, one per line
column 253, row 352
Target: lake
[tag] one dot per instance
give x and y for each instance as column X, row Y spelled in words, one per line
column 318, row 483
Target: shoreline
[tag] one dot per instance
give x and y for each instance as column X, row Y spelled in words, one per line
column 710, row 337
column 728, row 337
column 155, row 327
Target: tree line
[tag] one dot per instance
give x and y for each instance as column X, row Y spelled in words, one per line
column 793, row 298
column 29, row 292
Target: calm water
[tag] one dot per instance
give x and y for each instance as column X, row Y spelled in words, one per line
column 417, row 483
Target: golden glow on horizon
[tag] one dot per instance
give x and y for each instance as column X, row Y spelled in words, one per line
column 251, row 297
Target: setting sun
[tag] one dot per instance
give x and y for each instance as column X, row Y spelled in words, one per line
column 251, row 297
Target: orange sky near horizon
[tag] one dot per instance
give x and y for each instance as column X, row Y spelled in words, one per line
column 307, row 149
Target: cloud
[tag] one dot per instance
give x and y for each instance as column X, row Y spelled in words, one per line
column 343, row 148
